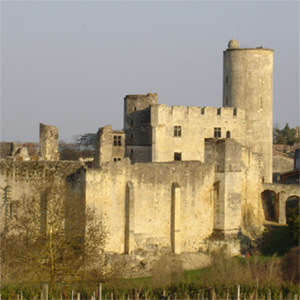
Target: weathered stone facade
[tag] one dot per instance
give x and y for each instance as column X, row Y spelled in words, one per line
column 177, row 178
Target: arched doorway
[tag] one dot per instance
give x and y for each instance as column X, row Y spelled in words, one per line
column 270, row 205
column 291, row 203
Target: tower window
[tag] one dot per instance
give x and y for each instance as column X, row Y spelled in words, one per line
column 217, row 132
column 177, row 155
column 131, row 135
column 131, row 151
column 131, row 122
column 135, row 108
column 177, row 131
column 226, row 100
column 117, row 140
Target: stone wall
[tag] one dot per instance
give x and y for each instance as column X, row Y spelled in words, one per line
column 19, row 179
column 137, row 125
column 248, row 84
column 170, row 204
column 48, row 142
column 196, row 124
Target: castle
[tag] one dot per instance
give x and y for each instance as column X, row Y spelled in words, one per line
column 179, row 178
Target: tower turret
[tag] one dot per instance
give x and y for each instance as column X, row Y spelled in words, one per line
column 248, row 84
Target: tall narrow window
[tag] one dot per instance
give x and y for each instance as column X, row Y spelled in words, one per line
column 217, row 132
column 177, row 131
column 117, row 140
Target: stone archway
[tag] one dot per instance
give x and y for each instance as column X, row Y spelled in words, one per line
column 270, row 205
column 291, row 203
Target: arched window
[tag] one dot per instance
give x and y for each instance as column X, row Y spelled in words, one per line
column 228, row 134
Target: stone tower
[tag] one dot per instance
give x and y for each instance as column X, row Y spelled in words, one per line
column 248, row 84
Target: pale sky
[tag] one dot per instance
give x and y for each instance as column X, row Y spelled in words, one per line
column 70, row 64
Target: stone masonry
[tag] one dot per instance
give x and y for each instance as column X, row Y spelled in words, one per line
column 181, row 179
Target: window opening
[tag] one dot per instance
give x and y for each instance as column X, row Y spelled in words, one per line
column 117, row 140
column 226, row 100
column 177, row 131
column 135, row 108
column 131, row 122
column 177, row 155
column 131, row 151
column 217, row 132
column 131, row 135
column 228, row 134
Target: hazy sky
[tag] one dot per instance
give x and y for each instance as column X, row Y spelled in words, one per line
column 71, row 63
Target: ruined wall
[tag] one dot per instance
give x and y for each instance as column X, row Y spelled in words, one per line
column 153, row 205
column 137, row 126
column 48, row 149
column 196, row 124
column 28, row 178
column 118, row 149
column 110, row 146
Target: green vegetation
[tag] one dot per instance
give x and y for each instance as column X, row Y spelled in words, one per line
column 258, row 274
column 278, row 241
column 285, row 136
column 293, row 223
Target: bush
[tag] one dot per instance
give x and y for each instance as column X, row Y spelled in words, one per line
column 293, row 223
column 290, row 265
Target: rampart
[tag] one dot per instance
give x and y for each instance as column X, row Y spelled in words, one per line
column 150, row 205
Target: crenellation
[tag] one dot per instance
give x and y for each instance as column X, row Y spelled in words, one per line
column 194, row 110
column 179, row 110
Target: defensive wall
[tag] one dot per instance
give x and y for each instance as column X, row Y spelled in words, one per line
column 248, row 84
column 25, row 179
column 148, row 205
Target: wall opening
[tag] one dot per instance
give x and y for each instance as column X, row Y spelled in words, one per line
column 177, row 155
column 177, row 130
column 217, row 132
column 117, row 140
column 228, row 134
column 292, row 203
column 270, row 205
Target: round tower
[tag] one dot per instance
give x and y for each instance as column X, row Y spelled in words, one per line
column 248, row 84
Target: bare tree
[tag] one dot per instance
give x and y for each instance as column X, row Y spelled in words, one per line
column 53, row 237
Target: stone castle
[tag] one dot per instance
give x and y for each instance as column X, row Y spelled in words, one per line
column 179, row 178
